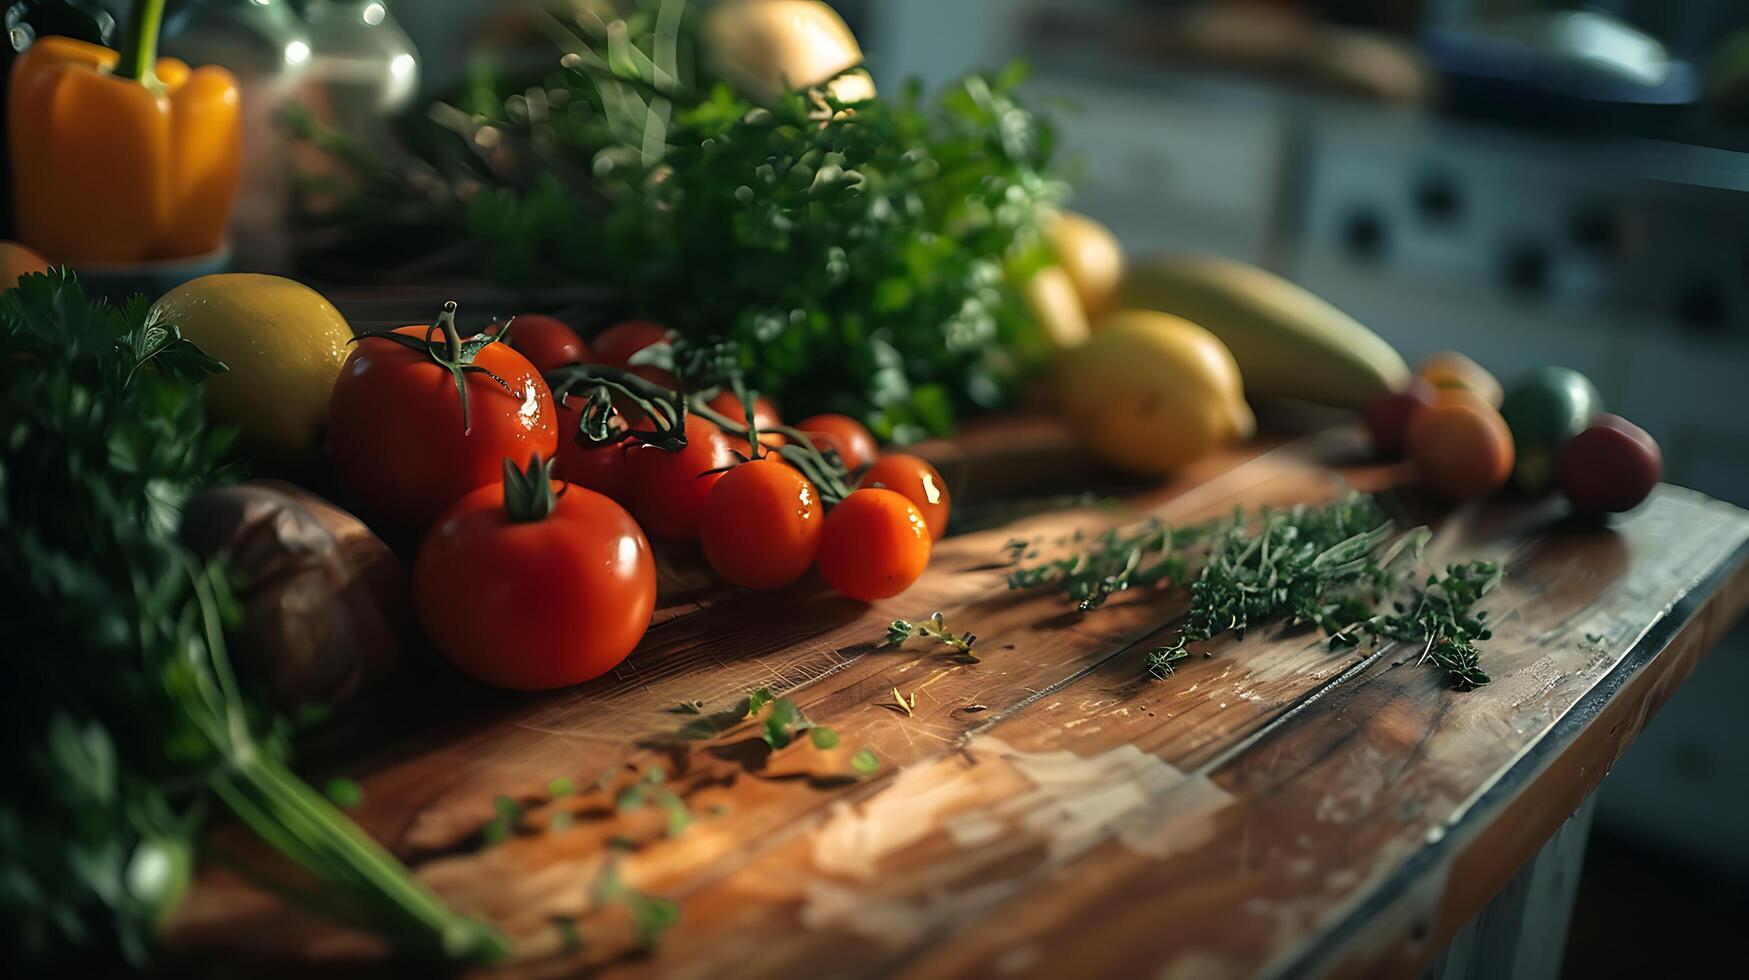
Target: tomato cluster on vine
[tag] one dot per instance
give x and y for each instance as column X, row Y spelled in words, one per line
column 543, row 466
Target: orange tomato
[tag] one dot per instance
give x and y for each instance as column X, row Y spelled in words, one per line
column 615, row 346
column 396, row 434
column 15, row 261
column 855, row 444
column 539, row 604
column 916, row 481
column 875, row 544
column 547, row 342
column 1449, row 369
column 1460, row 445
column 762, row 524
column 669, row 489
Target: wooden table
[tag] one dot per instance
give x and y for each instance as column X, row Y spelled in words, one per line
column 1275, row 807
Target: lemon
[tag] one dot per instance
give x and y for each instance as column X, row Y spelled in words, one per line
column 1091, row 255
column 284, row 345
column 1151, row 392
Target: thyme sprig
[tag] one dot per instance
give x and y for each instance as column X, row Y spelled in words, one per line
column 935, row 627
column 1441, row 618
column 1120, row 559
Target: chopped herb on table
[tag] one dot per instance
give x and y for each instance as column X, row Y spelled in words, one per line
column 1330, row 566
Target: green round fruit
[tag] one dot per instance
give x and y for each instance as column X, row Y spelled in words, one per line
column 1545, row 409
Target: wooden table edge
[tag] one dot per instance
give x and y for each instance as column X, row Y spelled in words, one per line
column 1508, row 817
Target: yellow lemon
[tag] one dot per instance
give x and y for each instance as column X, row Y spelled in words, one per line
column 284, row 345
column 1091, row 255
column 1151, row 392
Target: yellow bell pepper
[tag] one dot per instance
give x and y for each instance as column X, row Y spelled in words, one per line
column 122, row 158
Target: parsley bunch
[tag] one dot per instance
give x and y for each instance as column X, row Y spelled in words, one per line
column 124, row 720
column 864, row 255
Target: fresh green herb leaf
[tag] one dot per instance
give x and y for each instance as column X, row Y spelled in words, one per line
column 935, row 628
column 865, row 762
column 344, row 792
column 823, row 738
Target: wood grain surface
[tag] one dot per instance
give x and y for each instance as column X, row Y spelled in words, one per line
column 1274, row 807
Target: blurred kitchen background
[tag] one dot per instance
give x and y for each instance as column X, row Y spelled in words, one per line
column 1530, row 182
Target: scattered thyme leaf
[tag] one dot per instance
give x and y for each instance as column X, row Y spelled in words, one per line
column 935, row 628
column 561, row 786
column 651, row 916
column 865, row 762
column 899, row 700
column 823, row 738
column 757, row 699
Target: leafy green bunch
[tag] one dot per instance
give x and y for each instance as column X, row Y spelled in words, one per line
column 124, row 720
column 864, row 255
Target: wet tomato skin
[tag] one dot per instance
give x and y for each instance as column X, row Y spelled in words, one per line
column 762, row 524
column 669, row 489
column 855, row 444
column 874, row 546
column 538, row 605
column 917, row 481
column 396, row 435
column 1610, row 467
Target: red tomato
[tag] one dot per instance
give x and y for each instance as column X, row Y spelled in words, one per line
column 616, row 345
column 1389, row 413
column 599, row 468
column 874, row 545
column 762, row 524
column 546, row 342
column 843, row 433
column 535, row 605
column 395, row 426
column 916, row 481
column 1610, row 467
column 669, row 489
column 764, row 414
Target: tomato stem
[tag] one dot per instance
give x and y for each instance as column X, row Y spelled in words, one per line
column 528, row 493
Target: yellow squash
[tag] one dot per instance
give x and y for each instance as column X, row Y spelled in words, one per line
column 1288, row 342
column 1151, row 392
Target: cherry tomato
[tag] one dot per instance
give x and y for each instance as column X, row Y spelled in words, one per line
column 764, row 414
column 1610, row 467
column 395, row 426
column 874, row 545
column 762, row 524
column 615, row 346
column 843, row 433
column 916, row 481
column 546, row 342
column 1460, row 445
column 538, row 604
column 669, row 489
column 599, row 468
column 1449, row 369
column 1389, row 413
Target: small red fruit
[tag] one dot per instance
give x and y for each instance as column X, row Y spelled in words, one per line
column 875, row 544
column 546, row 342
column 615, row 346
column 918, row 482
column 1390, row 413
column 1610, row 467
column 855, row 444
column 669, row 489
column 762, row 524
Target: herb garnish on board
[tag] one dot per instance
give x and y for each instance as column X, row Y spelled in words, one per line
column 1331, row 566
column 126, row 726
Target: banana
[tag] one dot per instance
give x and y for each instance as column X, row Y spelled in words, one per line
column 1288, row 342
